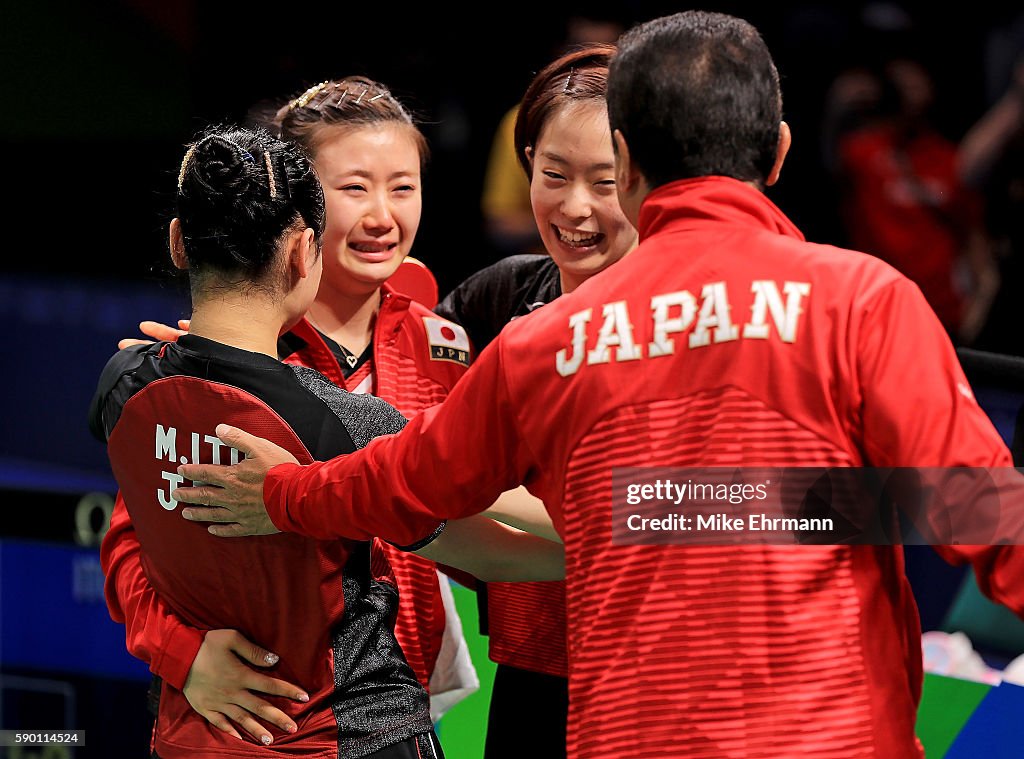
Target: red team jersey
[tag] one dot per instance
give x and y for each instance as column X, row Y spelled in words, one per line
column 724, row 339
column 415, row 364
column 417, row 359
column 525, row 621
column 315, row 602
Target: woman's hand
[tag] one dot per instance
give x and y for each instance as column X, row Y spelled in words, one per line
column 220, row 686
column 157, row 331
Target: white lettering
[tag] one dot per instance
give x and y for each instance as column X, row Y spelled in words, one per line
column 673, row 313
column 578, row 325
column 662, row 345
column 174, row 479
column 714, row 314
column 215, row 444
column 616, row 330
column 165, row 443
column 767, row 299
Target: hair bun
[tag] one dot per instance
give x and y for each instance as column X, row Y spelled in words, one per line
column 221, row 167
column 239, row 190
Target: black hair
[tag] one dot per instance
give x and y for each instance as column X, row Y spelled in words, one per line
column 696, row 94
column 239, row 191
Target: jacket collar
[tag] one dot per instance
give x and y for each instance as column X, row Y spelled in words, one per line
column 393, row 308
column 693, row 203
column 205, row 348
column 304, row 338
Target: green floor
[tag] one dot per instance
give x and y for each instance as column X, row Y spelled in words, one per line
column 462, row 730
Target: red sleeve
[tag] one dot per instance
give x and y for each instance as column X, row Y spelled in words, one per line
column 917, row 406
column 919, row 411
column 452, row 460
column 153, row 633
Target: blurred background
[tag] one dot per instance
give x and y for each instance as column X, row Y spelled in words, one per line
column 907, row 127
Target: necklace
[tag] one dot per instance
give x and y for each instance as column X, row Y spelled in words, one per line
column 350, row 358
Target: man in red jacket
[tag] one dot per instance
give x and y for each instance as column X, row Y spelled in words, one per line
column 724, row 340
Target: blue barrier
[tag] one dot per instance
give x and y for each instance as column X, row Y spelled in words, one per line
column 53, row 615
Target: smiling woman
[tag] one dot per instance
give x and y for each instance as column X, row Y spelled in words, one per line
column 572, row 190
column 564, row 145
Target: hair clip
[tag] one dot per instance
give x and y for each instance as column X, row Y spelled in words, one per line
column 568, row 79
column 270, row 174
column 341, row 99
column 184, row 164
column 377, row 97
column 367, row 89
column 305, row 97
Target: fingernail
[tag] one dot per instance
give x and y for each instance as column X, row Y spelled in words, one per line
column 292, row 728
column 266, row 740
column 271, row 658
column 303, row 697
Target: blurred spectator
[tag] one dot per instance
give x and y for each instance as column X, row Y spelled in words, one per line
column 903, row 199
column 850, row 104
column 991, row 159
column 505, row 203
column 506, row 196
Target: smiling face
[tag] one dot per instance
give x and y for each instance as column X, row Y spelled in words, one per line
column 371, row 180
column 572, row 190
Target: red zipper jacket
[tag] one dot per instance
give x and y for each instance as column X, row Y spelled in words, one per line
column 677, row 356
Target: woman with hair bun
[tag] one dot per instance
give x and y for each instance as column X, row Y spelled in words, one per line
column 366, row 338
column 564, row 145
column 249, row 229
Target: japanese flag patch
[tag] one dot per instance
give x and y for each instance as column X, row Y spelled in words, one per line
column 448, row 341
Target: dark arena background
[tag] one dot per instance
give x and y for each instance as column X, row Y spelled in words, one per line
column 100, row 99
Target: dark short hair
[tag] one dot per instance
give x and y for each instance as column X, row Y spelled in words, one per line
column 239, row 191
column 696, row 94
column 579, row 75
